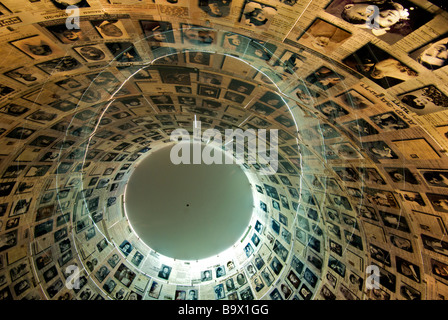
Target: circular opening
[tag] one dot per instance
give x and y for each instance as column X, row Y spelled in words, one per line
column 188, row 211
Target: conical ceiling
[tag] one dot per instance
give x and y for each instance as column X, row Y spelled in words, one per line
column 356, row 91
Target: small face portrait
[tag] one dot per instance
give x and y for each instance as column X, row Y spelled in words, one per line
column 331, row 110
column 37, row 47
column 235, row 41
column 401, row 175
column 64, row 4
column 41, row 116
column 289, row 63
column 68, row 36
column 439, row 269
column 438, row 201
column 164, row 272
column 261, row 50
column 219, row 291
column 357, row 13
column 123, row 51
column 209, row 91
column 379, row 66
column 435, row 178
column 183, row 89
column 347, row 173
column 6, row 188
column 402, row 243
column 165, row 55
column 380, row 150
column 272, row 99
column 5, row 90
column 285, row 121
column 110, row 29
column 276, row 266
column 162, row 99
column 235, row 97
column 390, row 20
column 248, row 250
column 206, row 275
column 215, row 8
column 63, row 64
column 433, row 55
column 241, row 87
column 408, row 269
column 102, row 273
column 20, row 133
column 102, row 78
column 91, row 53
column 14, row 110
column 220, row 271
column 126, row 247
column 360, row 127
column 241, row 279
column 305, row 293
column 262, row 109
column 68, row 84
column 43, row 141
column 63, row 105
column 355, row 100
column 199, row 57
column 137, row 259
column 389, row 121
column 124, row 275
column 305, row 95
column 325, row 78
column 324, row 36
column 192, row 294
column 175, row 75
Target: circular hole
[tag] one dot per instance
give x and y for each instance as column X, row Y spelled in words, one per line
column 218, row 197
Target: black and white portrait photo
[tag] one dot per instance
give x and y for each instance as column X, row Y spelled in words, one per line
column 164, row 272
column 215, row 8
column 197, row 35
column 37, row 47
column 324, row 36
column 157, row 31
column 70, row 36
column 124, row 275
column 425, row 100
column 64, row 4
column 126, row 247
column 380, row 150
column 379, row 66
column 325, row 78
column 394, row 19
column 433, row 55
column 91, row 53
column 63, row 64
column 110, row 29
column 389, row 121
column 123, row 51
